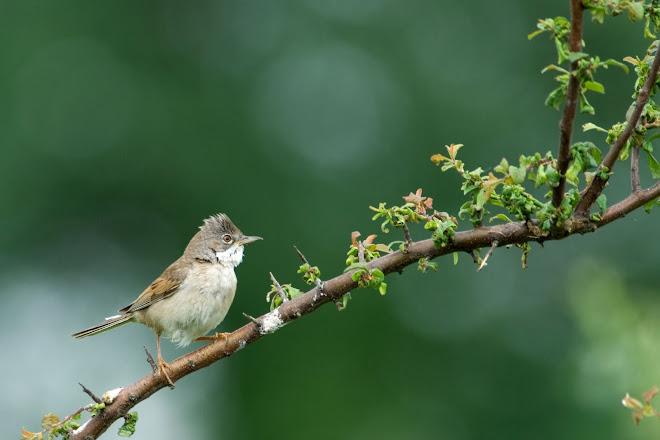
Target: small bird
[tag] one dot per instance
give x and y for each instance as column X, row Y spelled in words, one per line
column 194, row 293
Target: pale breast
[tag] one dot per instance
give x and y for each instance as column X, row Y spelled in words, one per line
column 199, row 305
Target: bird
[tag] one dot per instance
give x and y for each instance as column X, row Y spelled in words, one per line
column 192, row 296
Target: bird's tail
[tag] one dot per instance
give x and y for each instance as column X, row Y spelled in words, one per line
column 109, row 323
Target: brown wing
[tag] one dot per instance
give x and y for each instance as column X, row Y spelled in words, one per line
column 164, row 286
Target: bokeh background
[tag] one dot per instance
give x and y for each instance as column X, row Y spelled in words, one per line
column 123, row 124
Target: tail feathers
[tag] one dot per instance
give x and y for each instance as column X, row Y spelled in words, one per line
column 109, row 323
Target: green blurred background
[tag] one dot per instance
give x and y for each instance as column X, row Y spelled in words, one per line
column 124, row 124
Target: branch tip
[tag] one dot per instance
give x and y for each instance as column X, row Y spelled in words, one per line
column 490, row 252
column 300, row 254
column 89, row 393
column 151, row 361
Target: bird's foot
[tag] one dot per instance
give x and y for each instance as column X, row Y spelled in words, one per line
column 214, row 337
column 162, row 365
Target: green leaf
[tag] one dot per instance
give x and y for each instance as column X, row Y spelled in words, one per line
column 594, row 86
column 535, row 33
column 636, row 11
column 345, row 299
column 555, row 67
column 585, row 107
column 654, row 166
column 601, row 201
column 517, row 174
column 625, row 152
column 573, row 171
column 574, row 56
column 361, row 266
column 561, row 53
column 128, row 428
column 649, row 205
column 591, row 126
column 480, row 200
column 555, row 98
column 377, row 275
column 383, row 226
column 501, row 217
column 382, row 288
column 503, row 167
column 553, row 176
column 455, row 258
column 616, row 63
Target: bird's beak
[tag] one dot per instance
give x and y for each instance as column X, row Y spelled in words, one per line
column 248, row 239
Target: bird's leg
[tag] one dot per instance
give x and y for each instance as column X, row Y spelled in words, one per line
column 162, row 365
column 215, row 337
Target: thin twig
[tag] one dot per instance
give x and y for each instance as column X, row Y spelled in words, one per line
column 360, row 252
column 570, row 105
column 278, row 287
column 634, row 169
column 475, row 257
column 66, row 419
column 488, row 254
column 406, row 233
column 89, row 393
column 538, row 163
column 598, row 183
column 150, row 359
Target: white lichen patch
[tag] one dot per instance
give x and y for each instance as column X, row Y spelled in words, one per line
column 109, row 396
column 271, row 322
column 81, row 427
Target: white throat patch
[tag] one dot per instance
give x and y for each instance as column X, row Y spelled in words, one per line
column 232, row 256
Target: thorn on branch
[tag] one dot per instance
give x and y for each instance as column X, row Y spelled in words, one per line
column 253, row 319
column 302, row 257
column 278, row 287
column 490, row 251
column 475, row 257
column 360, row 252
column 89, row 393
column 151, row 361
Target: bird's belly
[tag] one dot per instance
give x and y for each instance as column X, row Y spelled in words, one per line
column 199, row 305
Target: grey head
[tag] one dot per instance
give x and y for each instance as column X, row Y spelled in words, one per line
column 219, row 240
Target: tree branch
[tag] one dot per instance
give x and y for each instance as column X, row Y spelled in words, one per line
column 333, row 290
column 598, row 183
column 570, row 105
column 634, row 169
column 629, row 204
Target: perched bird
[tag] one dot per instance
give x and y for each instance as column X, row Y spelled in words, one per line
column 194, row 293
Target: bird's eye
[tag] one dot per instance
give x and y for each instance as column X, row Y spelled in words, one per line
column 226, row 238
